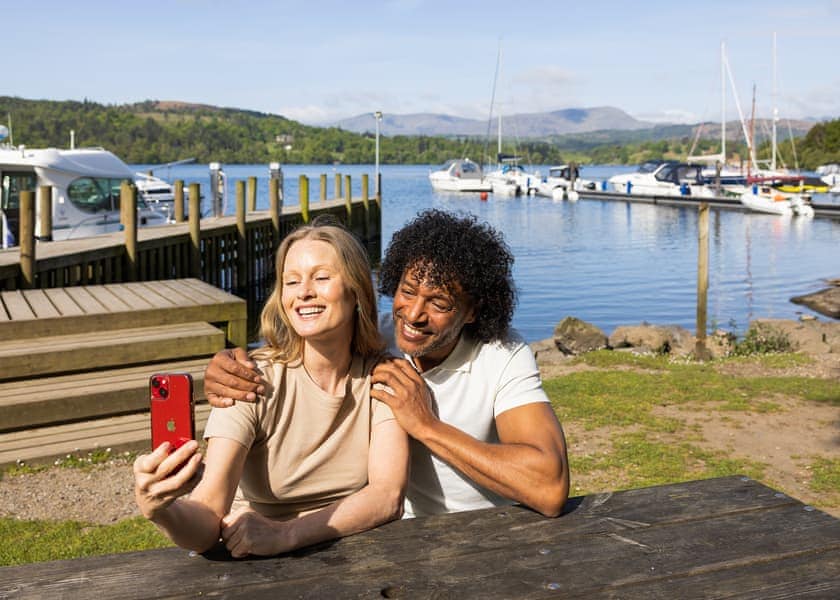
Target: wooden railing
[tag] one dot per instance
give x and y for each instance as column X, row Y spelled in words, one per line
column 231, row 252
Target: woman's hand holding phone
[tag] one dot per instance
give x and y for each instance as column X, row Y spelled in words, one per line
column 165, row 475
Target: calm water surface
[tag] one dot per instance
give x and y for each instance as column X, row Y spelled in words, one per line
column 609, row 263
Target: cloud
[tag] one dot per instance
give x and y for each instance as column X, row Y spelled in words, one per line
column 669, row 115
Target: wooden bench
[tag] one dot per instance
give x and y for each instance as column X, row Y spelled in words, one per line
column 726, row 537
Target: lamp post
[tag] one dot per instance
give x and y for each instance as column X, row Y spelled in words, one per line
column 378, row 116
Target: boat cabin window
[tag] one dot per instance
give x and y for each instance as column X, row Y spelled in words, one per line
column 95, row 194
column 13, row 184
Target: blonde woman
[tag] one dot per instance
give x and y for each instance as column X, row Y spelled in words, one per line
column 315, row 458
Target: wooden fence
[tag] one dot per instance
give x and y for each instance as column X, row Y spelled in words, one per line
column 233, row 252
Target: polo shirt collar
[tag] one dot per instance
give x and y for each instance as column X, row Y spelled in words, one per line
column 460, row 359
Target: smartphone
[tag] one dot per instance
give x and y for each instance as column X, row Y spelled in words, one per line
column 172, row 407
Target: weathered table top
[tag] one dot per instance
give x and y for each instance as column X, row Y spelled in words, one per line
column 727, row 537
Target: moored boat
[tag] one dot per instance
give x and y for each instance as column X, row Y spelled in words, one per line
column 85, row 187
column 459, row 175
column 766, row 199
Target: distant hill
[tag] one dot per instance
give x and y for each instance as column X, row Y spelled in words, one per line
column 524, row 125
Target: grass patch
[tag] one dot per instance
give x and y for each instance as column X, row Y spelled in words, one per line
column 71, row 461
column 825, row 475
column 636, row 461
column 35, row 541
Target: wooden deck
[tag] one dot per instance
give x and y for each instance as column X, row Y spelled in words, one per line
column 26, row 314
column 727, row 537
column 75, row 362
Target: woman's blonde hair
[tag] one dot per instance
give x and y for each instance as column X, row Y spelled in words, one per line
column 282, row 343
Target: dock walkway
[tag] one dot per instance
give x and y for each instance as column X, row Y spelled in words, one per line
column 75, row 362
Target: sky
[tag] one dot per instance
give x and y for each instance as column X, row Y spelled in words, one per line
column 318, row 61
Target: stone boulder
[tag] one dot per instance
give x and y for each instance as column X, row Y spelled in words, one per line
column 573, row 336
column 810, row 337
column 661, row 339
column 546, row 352
column 826, row 302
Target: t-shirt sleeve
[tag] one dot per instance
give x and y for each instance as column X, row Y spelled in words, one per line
column 520, row 381
column 238, row 423
column 381, row 412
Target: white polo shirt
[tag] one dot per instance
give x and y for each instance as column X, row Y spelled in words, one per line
column 469, row 389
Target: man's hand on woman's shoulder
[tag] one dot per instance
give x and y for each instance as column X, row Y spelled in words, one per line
column 230, row 376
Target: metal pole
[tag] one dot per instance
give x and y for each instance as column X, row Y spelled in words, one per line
column 378, row 116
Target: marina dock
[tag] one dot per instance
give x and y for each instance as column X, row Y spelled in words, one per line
column 831, row 211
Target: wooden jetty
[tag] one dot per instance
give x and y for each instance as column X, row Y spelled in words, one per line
column 84, row 323
column 716, row 538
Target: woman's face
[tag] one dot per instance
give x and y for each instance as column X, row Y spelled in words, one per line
column 316, row 299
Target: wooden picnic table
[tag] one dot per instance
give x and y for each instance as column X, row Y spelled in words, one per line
column 725, row 537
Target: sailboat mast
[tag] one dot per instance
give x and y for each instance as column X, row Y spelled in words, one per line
column 775, row 109
column 752, row 133
column 723, row 103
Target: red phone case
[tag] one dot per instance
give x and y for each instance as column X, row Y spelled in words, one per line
column 172, row 407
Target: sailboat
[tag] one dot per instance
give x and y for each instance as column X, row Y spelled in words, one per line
column 509, row 178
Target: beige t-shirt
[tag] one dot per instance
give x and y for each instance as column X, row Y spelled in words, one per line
column 307, row 448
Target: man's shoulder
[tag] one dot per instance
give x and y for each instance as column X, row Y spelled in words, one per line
column 509, row 343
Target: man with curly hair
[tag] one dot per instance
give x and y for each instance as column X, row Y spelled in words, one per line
column 468, row 390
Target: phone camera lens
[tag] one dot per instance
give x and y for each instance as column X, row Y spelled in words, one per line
column 155, row 382
column 163, row 392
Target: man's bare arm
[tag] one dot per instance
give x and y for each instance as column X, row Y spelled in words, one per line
column 528, row 465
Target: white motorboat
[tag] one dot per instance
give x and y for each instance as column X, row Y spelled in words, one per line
column 563, row 182
column 459, row 175
column 85, row 190
column 511, row 179
column 830, row 174
column 766, row 199
column 662, row 178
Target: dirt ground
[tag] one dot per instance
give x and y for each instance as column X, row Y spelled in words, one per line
column 783, row 440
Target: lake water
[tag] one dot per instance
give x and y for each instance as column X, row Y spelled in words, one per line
column 609, row 263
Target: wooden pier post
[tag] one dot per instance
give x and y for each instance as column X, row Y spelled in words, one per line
column 45, row 213
column 179, row 201
column 323, row 188
column 274, row 207
column 303, row 195
column 252, row 194
column 700, row 350
column 241, row 238
column 26, row 238
column 128, row 203
column 379, row 191
column 348, row 201
column 338, row 193
column 195, row 230
column 366, row 203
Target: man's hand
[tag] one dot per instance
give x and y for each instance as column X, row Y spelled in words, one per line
column 407, row 394
column 232, row 376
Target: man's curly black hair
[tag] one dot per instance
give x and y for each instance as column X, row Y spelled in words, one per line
column 446, row 249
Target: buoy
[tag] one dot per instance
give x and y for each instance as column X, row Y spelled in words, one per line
column 484, row 196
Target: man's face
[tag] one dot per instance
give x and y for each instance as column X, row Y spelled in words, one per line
column 428, row 319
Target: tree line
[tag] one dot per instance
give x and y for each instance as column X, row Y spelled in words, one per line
column 153, row 132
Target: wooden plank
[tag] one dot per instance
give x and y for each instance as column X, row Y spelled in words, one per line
column 41, row 401
column 65, row 303
column 131, row 294
column 17, row 306
column 108, row 299
column 181, row 293
column 41, row 304
column 39, row 356
column 44, row 445
column 154, row 297
column 88, row 304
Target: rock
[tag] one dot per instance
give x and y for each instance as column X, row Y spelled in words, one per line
column 720, row 343
column 670, row 339
column 546, row 352
column 811, row 337
column 826, row 302
column 573, row 336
